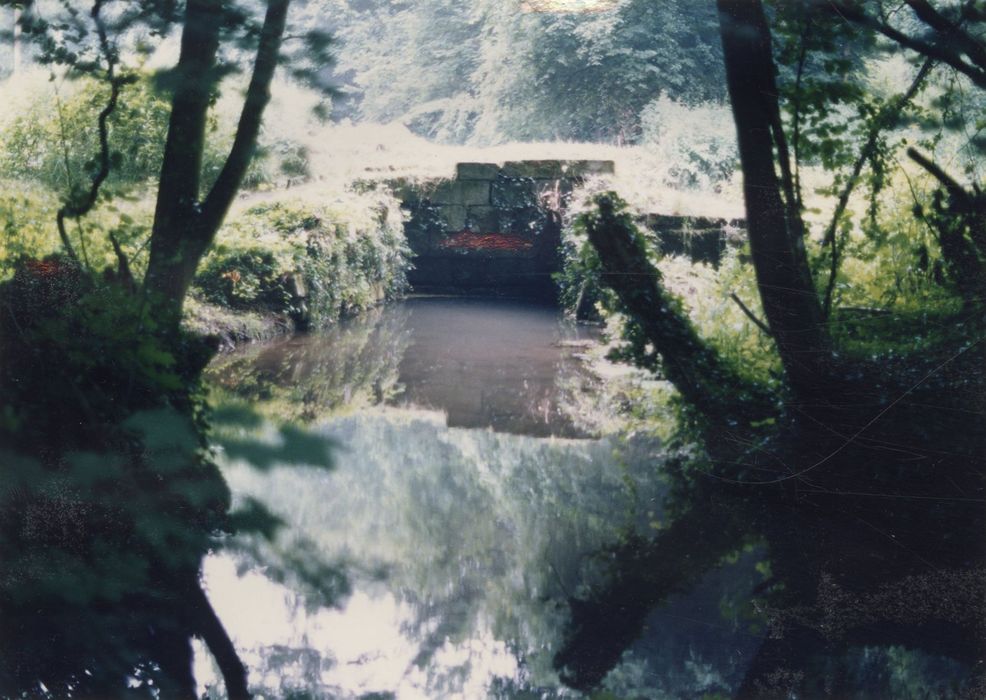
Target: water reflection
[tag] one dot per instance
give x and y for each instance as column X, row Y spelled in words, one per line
column 490, row 364
column 348, row 367
column 467, row 539
column 485, row 364
column 434, row 560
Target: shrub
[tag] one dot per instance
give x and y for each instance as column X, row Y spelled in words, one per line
column 28, row 229
column 55, row 142
column 245, row 279
column 109, row 499
column 27, row 225
column 314, row 262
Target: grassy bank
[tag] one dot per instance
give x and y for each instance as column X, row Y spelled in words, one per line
column 298, row 264
column 282, row 264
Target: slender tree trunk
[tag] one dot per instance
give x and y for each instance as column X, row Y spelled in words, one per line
column 884, row 119
column 176, row 217
column 789, row 298
column 185, row 226
column 15, row 43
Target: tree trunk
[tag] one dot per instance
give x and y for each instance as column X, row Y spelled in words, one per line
column 184, row 227
column 15, row 43
column 689, row 363
column 789, row 298
column 176, row 212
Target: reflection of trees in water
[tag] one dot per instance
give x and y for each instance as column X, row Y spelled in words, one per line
column 479, row 532
column 875, row 558
column 351, row 366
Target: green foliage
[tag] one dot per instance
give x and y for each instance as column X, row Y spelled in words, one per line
column 313, row 262
column 823, row 83
column 28, row 230
column 702, row 291
column 892, row 259
column 705, row 294
column 489, row 72
column 696, row 144
column 588, row 76
column 245, row 279
column 109, row 495
column 27, row 224
column 54, row 141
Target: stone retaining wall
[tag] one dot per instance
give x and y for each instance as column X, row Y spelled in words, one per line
column 513, row 211
column 698, row 238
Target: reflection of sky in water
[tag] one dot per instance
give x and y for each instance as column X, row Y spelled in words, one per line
column 461, row 544
column 366, row 643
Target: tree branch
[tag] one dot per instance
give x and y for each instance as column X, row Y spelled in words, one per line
column 950, row 30
column 935, row 51
column 948, row 182
column 221, row 196
column 750, row 315
column 695, row 369
column 73, row 208
column 970, row 203
column 796, row 128
column 881, row 121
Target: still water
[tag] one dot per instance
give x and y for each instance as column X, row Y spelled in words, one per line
column 439, row 508
column 434, row 490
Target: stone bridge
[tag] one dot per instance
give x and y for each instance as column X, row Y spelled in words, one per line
column 496, row 229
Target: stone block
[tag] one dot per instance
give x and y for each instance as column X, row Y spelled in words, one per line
column 462, row 192
column 476, row 171
column 513, row 193
column 423, row 223
column 454, row 216
column 537, row 169
column 522, row 221
column 446, row 192
column 581, row 168
column 662, row 222
column 475, row 192
column 482, row 219
column 701, row 223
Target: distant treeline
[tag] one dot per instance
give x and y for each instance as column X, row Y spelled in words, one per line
column 485, row 71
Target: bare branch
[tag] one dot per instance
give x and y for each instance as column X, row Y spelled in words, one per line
column 931, row 50
column 880, row 122
column 750, row 315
